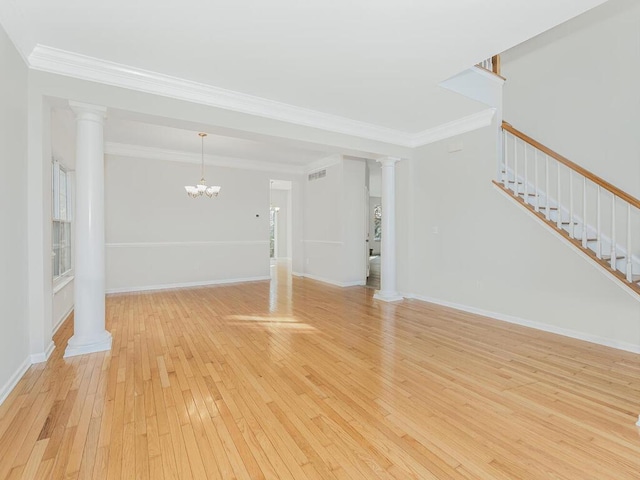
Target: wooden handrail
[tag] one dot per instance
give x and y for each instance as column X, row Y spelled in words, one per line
column 565, row 161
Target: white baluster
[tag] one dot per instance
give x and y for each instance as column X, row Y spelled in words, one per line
column 559, row 200
column 584, row 212
column 613, row 232
column 535, row 178
column 571, row 224
column 547, row 213
column 505, row 178
column 526, row 174
column 598, row 226
column 515, row 166
column 629, row 265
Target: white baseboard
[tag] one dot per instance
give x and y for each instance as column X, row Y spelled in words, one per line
column 8, row 387
column 61, row 320
column 330, row 281
column 607, row 342
column 172, row 286
column 43, row 356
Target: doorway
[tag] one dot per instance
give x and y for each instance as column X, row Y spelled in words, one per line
column 280, row 225
column 374, row 221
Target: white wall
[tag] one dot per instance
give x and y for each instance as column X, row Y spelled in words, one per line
column 14, row 327
column 323, row 240
column 354, row 222
column 575, row 89
column 489, row 254
column 334, row 223
column 158, row 236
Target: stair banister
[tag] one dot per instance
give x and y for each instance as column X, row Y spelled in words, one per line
column 518, row 181
column 573, row 166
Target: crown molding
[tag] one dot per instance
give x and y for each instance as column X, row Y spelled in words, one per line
column 456, row 127
column 152, row 153
column 62, row 62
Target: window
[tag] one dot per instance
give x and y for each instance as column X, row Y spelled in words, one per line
column 377, row 223
column 61, row 216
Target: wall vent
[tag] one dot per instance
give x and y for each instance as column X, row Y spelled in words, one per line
column 318, row 174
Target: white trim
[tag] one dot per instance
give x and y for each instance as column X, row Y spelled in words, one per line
column 455, row 127
column 62, row 281
column 43, row 356
column 62, row 62
column 61, row 320
column 172, row 286
column 297, row 274
column 326, row 242
column 103, row 345
column 545, row 327
column 14, row 379
column 489, row 75
column 153, row 153
column 565, row 241
column 357, row 283
column 185, row 244
column 387, row 296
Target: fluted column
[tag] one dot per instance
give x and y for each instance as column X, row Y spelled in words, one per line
column 388, row 278
column 89, row 334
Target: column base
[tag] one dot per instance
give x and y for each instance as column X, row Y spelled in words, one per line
column 100, row 344
column 388, row 296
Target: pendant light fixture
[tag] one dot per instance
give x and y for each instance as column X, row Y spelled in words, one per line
column 201, row 188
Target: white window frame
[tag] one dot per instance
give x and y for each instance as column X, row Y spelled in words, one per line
column 61, row 221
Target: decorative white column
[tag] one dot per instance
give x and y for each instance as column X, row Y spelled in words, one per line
column 89, row 334
column 388, row 288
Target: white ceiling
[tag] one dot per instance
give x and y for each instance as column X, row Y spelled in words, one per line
column 141, row 136
column 373, row 61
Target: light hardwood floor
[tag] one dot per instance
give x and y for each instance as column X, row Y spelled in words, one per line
column 297, row 380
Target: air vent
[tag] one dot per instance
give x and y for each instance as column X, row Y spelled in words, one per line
column 318, row 174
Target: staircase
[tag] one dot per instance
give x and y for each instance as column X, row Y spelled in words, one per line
column 596, row 217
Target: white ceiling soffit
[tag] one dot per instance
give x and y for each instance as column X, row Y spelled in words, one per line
column 368, row 68
column 152, row 153
column 130, row 132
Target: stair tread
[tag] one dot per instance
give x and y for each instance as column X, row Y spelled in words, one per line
column 608, row 257
column 569, row 228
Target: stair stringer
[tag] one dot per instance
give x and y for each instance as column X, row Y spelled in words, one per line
column 574, row 243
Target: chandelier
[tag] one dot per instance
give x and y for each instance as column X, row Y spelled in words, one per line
column 201, row 188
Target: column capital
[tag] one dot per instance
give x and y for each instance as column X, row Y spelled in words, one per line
column 388, row 161
column 87, row 111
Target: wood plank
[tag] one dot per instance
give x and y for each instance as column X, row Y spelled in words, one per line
column 304, row 380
